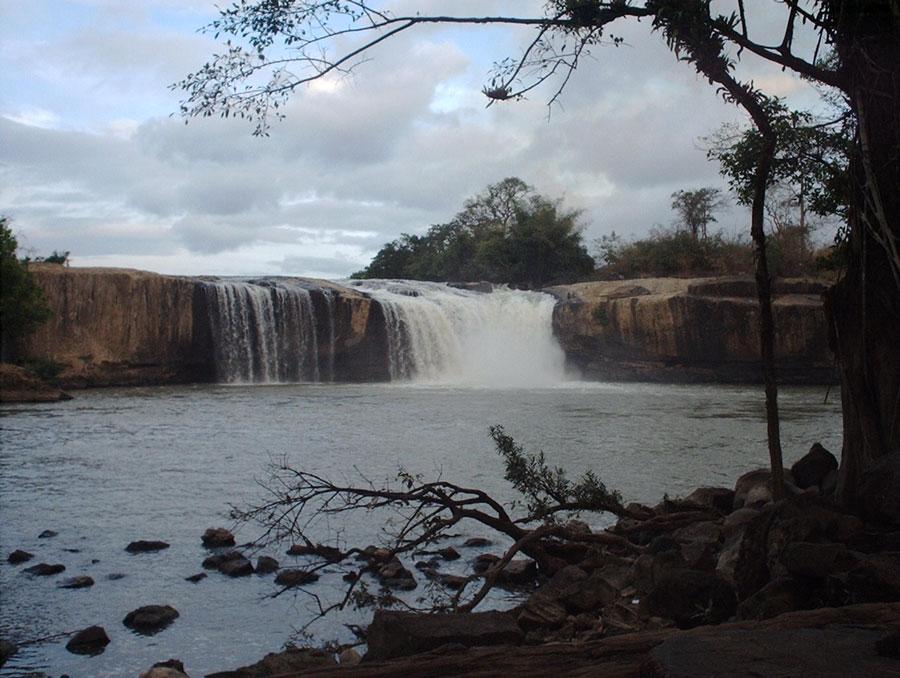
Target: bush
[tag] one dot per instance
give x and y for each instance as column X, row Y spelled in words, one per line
column 23, row 307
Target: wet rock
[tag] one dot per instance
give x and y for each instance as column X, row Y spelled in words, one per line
column 291, row 577
column 7, row 650
column 737, row 520
column 691, row 598
column 90, row 641
column 879, row 492
column 577, row 591
column 215, row 562
column 292, row 662
column 150, row 619
column 663, row 542
column 79, row 582
column 217, row 537
column 349, row 657
column 115, row 576
column 18, row 556
column 194, row 578
column 449, row 553
column 518, row 572
column 452, row 581
column 781, row 595
column 394, row 575
column 813, row 467
column 146, row 546
column 484, row 562
column 236, row 567
column 754, row 488
column 266, row 565
column 374, row 555
column 477, row 542
column 175, row 664
column 720, row 499
column 329, row 553
column 47, row 534
column 639, row 511
column 399, row 634
column 542, row 612
column 45, row 570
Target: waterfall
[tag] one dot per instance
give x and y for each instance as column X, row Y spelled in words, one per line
column 441, row 334
column 266, row 331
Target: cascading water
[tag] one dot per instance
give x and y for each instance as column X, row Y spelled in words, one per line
column 267, row 331
column 440, row 334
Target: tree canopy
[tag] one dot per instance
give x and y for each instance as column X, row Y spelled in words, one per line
column 22, row 304
column 506, row 234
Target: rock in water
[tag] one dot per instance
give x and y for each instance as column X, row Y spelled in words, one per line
column 236, row 567
column 92, row 640
column 45, row 570
column 18, row 556
column 7, row 650
column 143, row 546
column 266, row 565
column 47, row 534
column 215, row 537
column 295, row 577
column 292, row 662
column 79, row 582
column 150, row 618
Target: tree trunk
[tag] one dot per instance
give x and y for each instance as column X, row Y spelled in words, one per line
column 864, row 308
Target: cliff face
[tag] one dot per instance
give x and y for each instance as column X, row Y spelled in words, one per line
column 690, row 330
column 115, row 327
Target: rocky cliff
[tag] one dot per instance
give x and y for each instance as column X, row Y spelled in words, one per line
column 122, row 327
column 669, row 329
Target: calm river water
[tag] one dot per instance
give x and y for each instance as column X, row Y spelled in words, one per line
column 118, row 465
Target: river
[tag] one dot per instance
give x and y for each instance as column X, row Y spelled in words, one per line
column 117, row 465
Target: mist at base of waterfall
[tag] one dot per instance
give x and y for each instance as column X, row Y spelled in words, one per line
column 438, row 334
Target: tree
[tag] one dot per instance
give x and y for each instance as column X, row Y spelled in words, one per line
column 507, row 234
column 695, row 209
column 279, row 46
column 22, row 305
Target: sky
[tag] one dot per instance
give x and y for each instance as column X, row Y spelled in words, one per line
column 95, row 160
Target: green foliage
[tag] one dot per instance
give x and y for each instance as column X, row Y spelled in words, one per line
column 507, row 234
column 673, row 254
column 22, row 304
column 547, row 490
column 695, row 209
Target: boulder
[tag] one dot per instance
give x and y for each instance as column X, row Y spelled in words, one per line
column 79, row 582
column 781, row 595
column 329, row 553
column 163, row 672
column 150, row 619
column 349, row 657
column 737, row 520
column 449, row 553
column 691, row 598
column 817, row 560
column 875, row 579
column 91, row 641
column 291, row 577
column 754, row 488
column 394, row 575
column 542, row 612
column 144, row 546
column 266, row 565
column 194, row 578
column 214, row 562
column 236, row 567
column 879, row 492
column 18, row 556
column 699, row 544
column 45, row 569
column 47, row 534
column 477, row 542
column 452, row 581
column 518, row 572
column 484, row 562
column 399, row 634
column 291, row 662
column 216, row 537
column 813, row 468
column 720, row 499
column 833, row 652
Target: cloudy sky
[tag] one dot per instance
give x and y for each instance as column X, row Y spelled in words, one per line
column 93, row 159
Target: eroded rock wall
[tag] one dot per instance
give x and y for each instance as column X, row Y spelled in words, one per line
column 114, row 327
column 669, row 329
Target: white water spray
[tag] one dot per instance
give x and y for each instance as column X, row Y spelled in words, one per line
column 440, row 334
